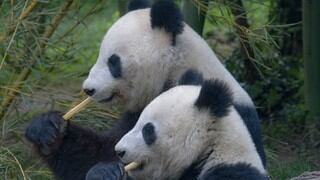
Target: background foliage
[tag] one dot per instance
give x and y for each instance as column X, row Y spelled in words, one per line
column 258, row 41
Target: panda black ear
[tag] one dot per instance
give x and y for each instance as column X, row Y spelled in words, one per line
column 216, row 96
column 191, row 77
column 166, row 14
column 138, row 4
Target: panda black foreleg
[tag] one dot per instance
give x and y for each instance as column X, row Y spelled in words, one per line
column 69, row 150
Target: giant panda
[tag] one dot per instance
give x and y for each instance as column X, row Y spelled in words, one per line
column 143, row 54
column 191, row 132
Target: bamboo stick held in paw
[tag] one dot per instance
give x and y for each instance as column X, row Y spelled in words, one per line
column 76, row 109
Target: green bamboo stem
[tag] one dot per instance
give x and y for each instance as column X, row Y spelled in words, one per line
column 251, row 73
column 28, row 10
column 122, row 7
column 311, row 53
column 195, row 15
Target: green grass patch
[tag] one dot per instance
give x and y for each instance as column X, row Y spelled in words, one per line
column 281, row 170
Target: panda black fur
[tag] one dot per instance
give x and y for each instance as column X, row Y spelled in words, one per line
column 139, row 58
column 192, row 132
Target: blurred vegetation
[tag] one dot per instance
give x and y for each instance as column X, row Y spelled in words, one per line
column 51, row 45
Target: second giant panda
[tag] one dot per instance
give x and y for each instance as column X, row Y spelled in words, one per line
column 191, row 132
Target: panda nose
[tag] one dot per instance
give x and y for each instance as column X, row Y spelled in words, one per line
column 120, row 154
column 89, row 92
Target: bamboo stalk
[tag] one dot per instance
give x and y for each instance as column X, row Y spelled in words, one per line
column 76, row 109
column 91, row 11
column 56, row 20
column 311, row 37
column 131, row 166
column 194, row 14
column 26, row 71
column 22, row 16
column 122, row 7
column 28, row 10
column 251, row 73
column 14, row 91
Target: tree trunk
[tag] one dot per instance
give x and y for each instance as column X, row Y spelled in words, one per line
column 311, row 37
column 289, row 12
column 251, row 73
column 122, row 7
column 194, row 15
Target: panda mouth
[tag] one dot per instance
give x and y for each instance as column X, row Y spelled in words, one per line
column 108, row 99
column 140, row 167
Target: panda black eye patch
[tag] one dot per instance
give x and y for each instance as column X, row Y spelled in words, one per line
column 114, row 64
column 149, row 134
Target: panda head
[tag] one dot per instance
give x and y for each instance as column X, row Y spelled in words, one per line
column 135, row 55
column 172, row 131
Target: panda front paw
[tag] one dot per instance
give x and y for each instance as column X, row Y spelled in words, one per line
column 45, row 129
column 106, row 171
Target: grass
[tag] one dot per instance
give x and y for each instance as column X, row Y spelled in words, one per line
column 288, row 153
column 287, row 170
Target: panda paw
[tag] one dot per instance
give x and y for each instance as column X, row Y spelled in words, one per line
column 45, row 129
column 106, row 171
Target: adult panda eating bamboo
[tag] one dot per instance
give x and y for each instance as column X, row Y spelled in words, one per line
column 143, row 54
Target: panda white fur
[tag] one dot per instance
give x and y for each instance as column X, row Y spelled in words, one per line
column 192, row 132
column 146, row 51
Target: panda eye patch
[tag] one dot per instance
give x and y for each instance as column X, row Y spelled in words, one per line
column 149, row 134
column 114, row 64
